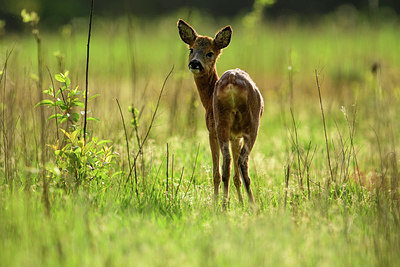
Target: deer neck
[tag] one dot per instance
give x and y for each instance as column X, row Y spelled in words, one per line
column 205, row 85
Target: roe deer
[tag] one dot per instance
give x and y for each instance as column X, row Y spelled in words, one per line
column 233, row 107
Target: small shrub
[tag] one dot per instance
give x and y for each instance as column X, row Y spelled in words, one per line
column 77, row 162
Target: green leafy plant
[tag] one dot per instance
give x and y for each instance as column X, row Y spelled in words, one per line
column 66, row 100
column 81, row 163
column 77, row 161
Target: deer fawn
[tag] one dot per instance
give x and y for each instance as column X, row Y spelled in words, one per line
column 233, row 107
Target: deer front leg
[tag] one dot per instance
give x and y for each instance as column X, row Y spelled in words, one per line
column 215, row 159
column 235, row 147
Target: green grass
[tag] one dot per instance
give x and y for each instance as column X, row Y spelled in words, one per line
column 78, row 232
column 352, row 220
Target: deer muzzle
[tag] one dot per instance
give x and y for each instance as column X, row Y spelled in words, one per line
column 195, row 66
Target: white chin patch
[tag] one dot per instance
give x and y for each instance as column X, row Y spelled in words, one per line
column 195, row 71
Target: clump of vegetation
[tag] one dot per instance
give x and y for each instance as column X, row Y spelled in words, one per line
column 77, row 161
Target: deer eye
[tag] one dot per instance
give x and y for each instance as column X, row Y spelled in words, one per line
column 210, row 54
column 190, row 51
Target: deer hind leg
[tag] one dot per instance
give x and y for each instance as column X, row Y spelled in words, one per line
column 244, row 164
column 223, row 139
column 215, row 159
column 236, row 144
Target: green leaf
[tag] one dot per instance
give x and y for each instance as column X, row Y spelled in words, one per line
column 71, row 94
column 74, row 135
column 63, row 106
column 116, row 174
column 49, row 91
column 58, row 92
column 78, row 103
column 100, row 153
column 91, row 161
column 134, row 123
column 59, row 102
column 45, row 102
column 55, row 116
column 59, row 78
column 92, row 97
column 67, row 81
column 78, row 151
column 63, row 119
column 75, row 117
column 92, row 119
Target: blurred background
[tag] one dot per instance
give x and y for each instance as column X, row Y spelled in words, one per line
column 56, row 13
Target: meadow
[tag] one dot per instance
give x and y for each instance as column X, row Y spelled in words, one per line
column 138, row 190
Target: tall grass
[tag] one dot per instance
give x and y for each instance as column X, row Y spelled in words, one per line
column 154, row 207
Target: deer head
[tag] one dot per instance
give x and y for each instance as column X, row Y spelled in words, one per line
column 204, row 50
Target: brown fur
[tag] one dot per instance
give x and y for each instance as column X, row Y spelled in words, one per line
column 233, row 107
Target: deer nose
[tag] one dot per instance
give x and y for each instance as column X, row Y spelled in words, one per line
column 195, row 65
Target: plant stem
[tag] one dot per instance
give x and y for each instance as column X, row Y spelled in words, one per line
column 287, row 175
column 55, row 99
column 151, row 122
column 87, row 69
column 45, row 195
column 5, row 138
column 323, row 120
column 172, row 176
column 297, row 149
column 194, row 168
column 166, row 174
column 180, row 180
column 290, row 68
column 127, row 143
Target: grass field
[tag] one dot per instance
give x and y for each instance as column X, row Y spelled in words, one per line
column 161, row 213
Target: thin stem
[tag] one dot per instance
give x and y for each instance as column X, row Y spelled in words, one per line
column 166, row 173
column 287, row 175
column 87, row 69
column 290, row 69
column 156, row 178
column 55, row 106
column 180, row 180
column 323, row 120
column 5, row 138
column 194, row 168
column 126, row 135
column 135, row 125
column 172, row 176
column 151, row 123
column 297, row 149
column 308, row 181
column 352, row 129
column 45, row 195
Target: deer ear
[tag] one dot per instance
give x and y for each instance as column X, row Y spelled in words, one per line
column 187, row 33
column 223, row 37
